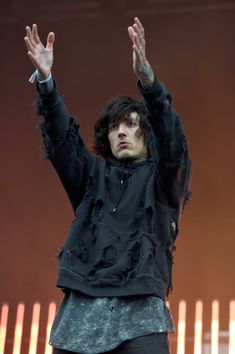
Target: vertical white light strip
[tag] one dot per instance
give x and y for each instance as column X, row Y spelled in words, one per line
column 232, row 327
column 3, row 327
column 181, row 328
column 198, row 328
column 18, row 329
column 34, row 329
column 215, row 328
column 51, row 315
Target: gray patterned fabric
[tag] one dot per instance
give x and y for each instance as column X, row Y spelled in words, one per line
column 95, row 325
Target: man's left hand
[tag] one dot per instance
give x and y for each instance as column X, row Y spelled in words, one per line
column 141, row 66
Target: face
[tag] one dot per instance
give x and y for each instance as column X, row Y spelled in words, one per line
column 125, row 142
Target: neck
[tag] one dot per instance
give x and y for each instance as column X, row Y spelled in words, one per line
column 134, row 160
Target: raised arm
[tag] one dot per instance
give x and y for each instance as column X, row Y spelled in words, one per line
column 168, row 144
column 141, row 66
column 62, row 142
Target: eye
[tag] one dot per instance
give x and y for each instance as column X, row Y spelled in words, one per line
column 132, row 124
column 112, row 127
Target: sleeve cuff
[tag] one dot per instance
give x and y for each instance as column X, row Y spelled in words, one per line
column 154, row 94
column 44, row 86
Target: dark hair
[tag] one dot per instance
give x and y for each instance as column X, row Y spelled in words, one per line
column 117, row 110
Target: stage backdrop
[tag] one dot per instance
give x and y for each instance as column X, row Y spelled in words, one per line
column 192, row 50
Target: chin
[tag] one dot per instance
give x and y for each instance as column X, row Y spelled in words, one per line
column 127, row 157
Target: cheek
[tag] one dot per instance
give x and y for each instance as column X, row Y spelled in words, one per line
column 140, row 143
column 111, row 140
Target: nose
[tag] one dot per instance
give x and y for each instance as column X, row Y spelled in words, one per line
column 121, row 130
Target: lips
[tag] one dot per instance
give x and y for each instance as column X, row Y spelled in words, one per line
column 123, row 144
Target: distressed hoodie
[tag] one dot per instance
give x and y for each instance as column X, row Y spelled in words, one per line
column 126, row 214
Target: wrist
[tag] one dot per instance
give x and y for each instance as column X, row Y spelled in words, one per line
column 42, row 77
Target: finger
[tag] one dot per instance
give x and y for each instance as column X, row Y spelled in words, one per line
column 131, row 33
column 29, row 46
column 50, row 40
column 33, row 59
column 140, row 34
column 35, row 34
column 138, row 30
column 137, row 47
column 30, row 36
column 139, row 53
column 28, row 33
column 139, row 44
column 136, row 37
column 139, row 25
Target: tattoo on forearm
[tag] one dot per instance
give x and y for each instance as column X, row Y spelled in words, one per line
column 145, row 70
column 147, row 75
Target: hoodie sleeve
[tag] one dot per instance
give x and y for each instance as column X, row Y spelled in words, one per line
column 63, row 145
column 168, row 147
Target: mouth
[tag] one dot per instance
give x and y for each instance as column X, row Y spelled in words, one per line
column 123, row 144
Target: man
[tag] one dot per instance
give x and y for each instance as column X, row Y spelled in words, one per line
column 116, row 264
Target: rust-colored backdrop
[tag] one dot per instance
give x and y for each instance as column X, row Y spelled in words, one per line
column 191, row 46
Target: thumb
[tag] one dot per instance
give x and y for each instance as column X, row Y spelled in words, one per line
column 50, row 40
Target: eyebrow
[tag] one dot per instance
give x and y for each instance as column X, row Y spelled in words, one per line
column 125, row 118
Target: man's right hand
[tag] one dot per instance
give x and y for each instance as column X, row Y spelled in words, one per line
column 41, row 57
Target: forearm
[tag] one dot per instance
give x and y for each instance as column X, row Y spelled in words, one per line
column 51, row 107
column 167, row 128
column 156, row 97
column 168, row 146
column 62, row 142
column 146, row 76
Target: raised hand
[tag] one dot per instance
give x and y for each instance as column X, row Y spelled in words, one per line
column 41, row 57
column 141, row 65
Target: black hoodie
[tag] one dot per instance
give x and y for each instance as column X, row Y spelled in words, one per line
column 126, row 214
